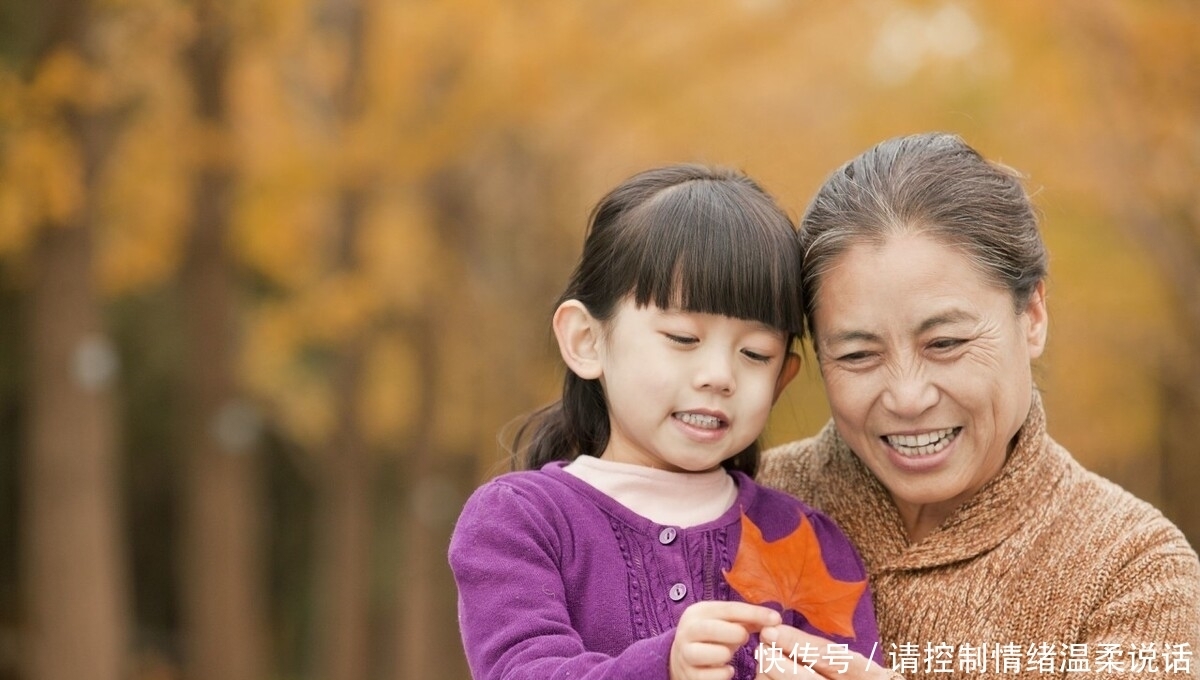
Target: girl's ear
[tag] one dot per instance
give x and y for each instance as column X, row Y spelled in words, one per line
column 791, row 366
column 578, row 334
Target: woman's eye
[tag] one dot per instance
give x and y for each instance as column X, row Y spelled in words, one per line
column 946, row 343
column 854, row 357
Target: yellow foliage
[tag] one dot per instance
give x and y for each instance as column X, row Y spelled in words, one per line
column 45, row 164
column 13, row 95
column 271, row 369
column 271, row 339
column 460, row 390
column 337, row 308
column 399, row 251
column 391, row 392
column 277, row 230
column 61, row 78
column 16, row 229
column 145, row 206
column 305, row 410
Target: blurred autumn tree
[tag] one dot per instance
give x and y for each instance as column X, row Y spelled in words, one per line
column 278, row 273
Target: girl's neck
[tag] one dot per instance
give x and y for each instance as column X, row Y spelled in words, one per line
column 681, row 499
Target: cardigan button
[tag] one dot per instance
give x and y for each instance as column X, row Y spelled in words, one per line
column 667, row 536
column 678, row 592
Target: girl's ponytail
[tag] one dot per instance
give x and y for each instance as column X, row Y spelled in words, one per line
column 574, row 426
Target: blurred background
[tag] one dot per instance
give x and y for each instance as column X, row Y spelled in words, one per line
column 275, row 275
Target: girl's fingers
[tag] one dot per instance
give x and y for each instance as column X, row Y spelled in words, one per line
column 749, row 615
column 706, row 654
column 726, row 623
column 716, row 630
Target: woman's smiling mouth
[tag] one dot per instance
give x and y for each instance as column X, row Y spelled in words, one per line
column 924, row 444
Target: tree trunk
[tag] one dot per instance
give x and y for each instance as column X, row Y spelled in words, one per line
column 344, row 491
column 73, row 573
column 344, row 571
column 73, row 568
column 344, row 540
column 429, row 636
column 344, row 507
column 223, row 600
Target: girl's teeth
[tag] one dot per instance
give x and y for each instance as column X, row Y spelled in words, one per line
column 922, row 444
column 700, row 420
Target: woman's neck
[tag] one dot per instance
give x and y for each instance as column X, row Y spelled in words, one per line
column 921, row 520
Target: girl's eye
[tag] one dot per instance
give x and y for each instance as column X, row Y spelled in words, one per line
column 681, row 339
column 756, row 357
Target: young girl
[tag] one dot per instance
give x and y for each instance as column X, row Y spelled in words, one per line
column 606, row 556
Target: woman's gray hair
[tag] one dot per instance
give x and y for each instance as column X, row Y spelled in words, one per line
column 933, row 184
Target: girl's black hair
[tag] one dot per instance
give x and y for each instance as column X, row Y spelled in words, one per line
column 688, row 237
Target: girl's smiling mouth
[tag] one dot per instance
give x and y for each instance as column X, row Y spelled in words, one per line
column 703, row 421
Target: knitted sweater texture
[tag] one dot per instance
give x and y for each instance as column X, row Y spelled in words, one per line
column 1048, row 571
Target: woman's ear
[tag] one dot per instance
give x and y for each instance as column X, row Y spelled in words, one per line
column 1038, row 321
column 578, row 334
column 791, row 366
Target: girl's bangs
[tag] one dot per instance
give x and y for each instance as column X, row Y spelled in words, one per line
column 729, row 254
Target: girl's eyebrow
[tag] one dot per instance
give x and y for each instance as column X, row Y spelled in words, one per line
column 754, row 323
column 764, row 326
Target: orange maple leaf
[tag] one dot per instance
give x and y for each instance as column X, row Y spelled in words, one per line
column 792, row 573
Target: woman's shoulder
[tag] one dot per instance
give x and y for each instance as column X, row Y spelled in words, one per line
column 797, row 467
column 1112, row 522
column 1112, row 506
column 1137, row 565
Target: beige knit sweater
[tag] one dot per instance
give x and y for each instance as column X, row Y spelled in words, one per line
column 1049, row 571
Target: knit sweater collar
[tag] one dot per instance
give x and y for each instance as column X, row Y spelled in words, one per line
column 1001, row 507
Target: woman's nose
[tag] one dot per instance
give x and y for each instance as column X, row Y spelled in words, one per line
column 909, row 395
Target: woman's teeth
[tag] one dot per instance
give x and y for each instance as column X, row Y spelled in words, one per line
column 922, row 444
column 700, row 420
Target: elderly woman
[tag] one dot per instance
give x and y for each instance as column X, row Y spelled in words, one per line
column 989, row 548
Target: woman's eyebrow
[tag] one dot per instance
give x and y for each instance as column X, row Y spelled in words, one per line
column 945, row 318
column 852, row 336
column 953, row 316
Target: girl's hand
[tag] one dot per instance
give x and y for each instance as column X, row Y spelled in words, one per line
column 819, row 660
column 708, row 635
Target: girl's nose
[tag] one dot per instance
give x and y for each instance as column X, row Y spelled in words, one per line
column 715, row 373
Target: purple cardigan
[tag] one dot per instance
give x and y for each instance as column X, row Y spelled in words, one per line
column 557, row 580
